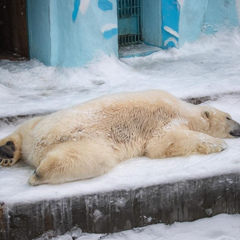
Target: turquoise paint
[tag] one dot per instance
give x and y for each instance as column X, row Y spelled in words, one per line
column 206, row 17
column 110, row 33
column 105, row 5
column 170, row 19
column 221, row 14
column 152, row 22
column 128, row 25
column 64, row 42
column 39, row 34
column 140, row 54
column 75, row 9
column 191, row 20
column 60, row 36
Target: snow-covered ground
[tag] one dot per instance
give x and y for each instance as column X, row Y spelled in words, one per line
column 221, row 227
column 206, row 67
column 130, row 174
column 209, row 66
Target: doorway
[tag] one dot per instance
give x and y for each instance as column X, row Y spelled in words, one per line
column 129, row 22
column 13, row 30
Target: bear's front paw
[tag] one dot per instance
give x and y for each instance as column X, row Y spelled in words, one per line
column 223, row 145
column 35, row 179
column 7, row 154
column 212, row 146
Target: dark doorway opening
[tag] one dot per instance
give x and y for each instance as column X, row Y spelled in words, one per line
column 129, row 22
column 13, row 30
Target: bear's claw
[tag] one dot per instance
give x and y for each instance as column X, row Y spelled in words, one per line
column 35, row 179
column 6, row 162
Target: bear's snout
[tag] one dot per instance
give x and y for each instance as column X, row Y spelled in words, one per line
column 236, row 130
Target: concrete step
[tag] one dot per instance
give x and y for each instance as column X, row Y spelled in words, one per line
column 107, row 212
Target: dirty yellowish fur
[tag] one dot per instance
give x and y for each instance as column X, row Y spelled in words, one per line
column 88, row 140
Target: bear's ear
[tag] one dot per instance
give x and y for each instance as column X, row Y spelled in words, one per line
column 206, row 114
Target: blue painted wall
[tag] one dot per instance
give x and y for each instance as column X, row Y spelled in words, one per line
column 39, row 34
column 74, row 32
column 191, row 20
column 152, row 22
column 206, row 17
column 170, row 23
column 221, row 14
column 78, row 30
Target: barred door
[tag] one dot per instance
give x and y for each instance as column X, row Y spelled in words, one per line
column 129, row 22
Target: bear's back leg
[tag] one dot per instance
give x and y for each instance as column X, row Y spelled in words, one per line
column 72, row 161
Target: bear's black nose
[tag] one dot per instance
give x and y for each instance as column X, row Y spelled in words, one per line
column 235, row 133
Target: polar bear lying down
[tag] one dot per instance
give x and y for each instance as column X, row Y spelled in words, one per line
column 88, row 140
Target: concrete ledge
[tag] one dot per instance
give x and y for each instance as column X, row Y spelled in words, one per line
column 115, row 211
column 199, row 100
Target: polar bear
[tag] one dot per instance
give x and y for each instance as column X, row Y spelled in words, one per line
column 89, row 139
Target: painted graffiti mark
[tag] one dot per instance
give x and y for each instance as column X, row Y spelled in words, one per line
column 171, row 31
column 75, row 9
column 110, row 33
column 109, row 30
column 171, row 40
column 84, row 6
column 79, row 4
column 170, row 22
column 105, row 5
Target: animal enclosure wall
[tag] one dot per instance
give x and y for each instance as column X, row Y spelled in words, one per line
column 74, row 32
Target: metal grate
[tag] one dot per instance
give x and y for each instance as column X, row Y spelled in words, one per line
column 129, row 22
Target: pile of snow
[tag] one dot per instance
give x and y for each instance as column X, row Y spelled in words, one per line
column 221, row 227
column 210, row 65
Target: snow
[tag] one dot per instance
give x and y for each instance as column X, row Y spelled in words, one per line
column 191, row 71
column 206, row 67
column 221, row 227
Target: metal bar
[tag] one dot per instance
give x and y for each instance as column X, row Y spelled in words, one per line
column 139, row 20
column 132, row 3
column 126, row 9
column 134, row 7
column 129, row 8
column 125, row 4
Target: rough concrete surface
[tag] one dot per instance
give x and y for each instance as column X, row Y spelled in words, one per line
column 107, row 212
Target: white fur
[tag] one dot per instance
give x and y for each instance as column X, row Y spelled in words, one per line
column 89, row 139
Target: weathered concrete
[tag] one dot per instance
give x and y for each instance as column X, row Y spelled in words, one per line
column 107, row 212
column 199, row 100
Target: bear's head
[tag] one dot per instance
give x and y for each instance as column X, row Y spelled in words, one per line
column 220, row 124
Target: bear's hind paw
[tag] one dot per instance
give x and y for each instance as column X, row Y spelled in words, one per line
column 8, row 154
